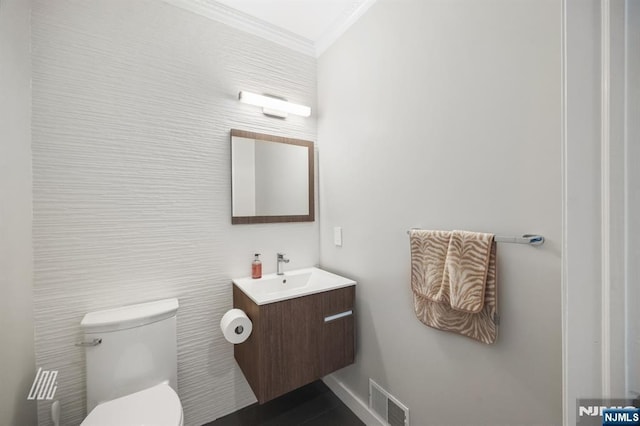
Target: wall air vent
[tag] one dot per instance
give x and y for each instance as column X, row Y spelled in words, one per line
column 386, row 406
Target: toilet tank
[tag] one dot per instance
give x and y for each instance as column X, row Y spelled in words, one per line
column 137, row 349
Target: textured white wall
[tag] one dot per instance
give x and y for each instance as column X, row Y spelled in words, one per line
column 132, row 106
column 446, row 115
column 16, row 260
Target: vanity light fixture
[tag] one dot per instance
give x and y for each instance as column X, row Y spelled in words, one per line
column 274, row 106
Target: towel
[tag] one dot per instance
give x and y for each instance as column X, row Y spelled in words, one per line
column 466, row 269
column 429, row 251
column 444, row 305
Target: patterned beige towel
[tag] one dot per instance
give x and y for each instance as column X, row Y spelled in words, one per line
column 466, row 269
column 481, row 326
column 428, row 254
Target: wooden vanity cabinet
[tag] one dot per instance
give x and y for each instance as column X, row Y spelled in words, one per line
column 297, row 341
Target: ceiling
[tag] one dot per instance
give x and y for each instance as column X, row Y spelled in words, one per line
column 308, row 26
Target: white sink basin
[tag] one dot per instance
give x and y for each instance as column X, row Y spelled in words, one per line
column 300, row 282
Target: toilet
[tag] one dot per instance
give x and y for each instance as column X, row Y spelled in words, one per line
column 131, row 361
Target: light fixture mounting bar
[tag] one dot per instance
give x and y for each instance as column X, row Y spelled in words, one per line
column 272, row 104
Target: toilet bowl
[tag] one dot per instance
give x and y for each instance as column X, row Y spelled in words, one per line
column 131, row 360
column 158, row 406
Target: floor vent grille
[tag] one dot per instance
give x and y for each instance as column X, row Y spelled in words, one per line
column 386, row 406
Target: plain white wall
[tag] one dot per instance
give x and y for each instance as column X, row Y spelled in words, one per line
column 132, row 107
column 633, row 192
column 446, row 115
column 615, row 194
column 17, row 364
column 599, row 199
column 581, row 227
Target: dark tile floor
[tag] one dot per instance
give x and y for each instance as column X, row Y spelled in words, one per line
column 311, row 405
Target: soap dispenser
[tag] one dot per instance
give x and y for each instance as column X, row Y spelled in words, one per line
column 256, row 267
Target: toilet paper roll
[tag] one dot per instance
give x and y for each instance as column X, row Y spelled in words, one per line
column 236, row 326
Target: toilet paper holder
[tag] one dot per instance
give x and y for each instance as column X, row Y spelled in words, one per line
column 236, row 326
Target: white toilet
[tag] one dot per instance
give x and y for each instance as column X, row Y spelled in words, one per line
column 131, row 360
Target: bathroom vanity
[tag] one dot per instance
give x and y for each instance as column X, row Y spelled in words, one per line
column 303, row 329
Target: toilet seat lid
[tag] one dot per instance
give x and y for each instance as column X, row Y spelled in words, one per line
column 158, row 406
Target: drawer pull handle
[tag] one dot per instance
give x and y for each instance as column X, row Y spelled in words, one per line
column 338, row 316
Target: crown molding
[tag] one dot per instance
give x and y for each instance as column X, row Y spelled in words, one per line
column 247, row 23
column 341, row 25
column 244, row 22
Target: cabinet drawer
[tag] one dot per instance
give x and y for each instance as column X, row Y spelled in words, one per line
column 338, row 301
column 338, row 339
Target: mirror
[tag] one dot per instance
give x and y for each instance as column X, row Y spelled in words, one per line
column 272, row 179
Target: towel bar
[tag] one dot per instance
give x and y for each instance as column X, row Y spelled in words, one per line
column 532, row 239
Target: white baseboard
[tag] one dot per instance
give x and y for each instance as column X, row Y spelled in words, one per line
column 355, row 404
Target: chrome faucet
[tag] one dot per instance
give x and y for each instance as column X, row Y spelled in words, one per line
column 281, row 260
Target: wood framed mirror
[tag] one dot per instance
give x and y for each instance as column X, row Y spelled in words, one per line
column 272, row 179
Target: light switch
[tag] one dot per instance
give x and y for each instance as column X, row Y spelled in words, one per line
column 337, row 236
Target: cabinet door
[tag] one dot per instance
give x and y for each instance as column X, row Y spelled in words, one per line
column 338, row 333
column 290, row 333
